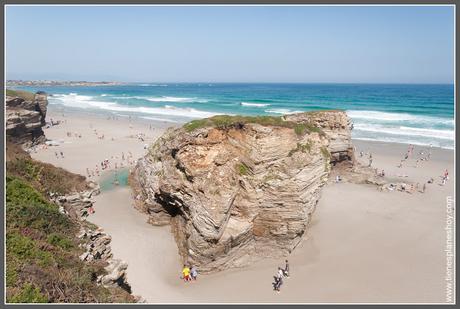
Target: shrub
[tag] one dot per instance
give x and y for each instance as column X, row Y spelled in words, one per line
column 29, row 294
column 60, row 241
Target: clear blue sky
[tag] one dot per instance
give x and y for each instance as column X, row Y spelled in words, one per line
column 231, row 44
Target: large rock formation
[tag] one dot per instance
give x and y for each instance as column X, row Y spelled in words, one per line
column 236, row 189
column 25, row 118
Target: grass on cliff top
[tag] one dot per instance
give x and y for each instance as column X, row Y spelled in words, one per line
column 226, row 121
column 26, row 95
column 44, row 177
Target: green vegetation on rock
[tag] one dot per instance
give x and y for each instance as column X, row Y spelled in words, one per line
column 26, row 95
column 42, row 251
column 301, row 147
column 243, row 169
column 226, row 121
column 327, row 157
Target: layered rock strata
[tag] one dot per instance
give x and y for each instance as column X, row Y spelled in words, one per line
column 25, row 119
column 237, row 189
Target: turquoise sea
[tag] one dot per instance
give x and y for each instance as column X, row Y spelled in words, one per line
column 417, row 114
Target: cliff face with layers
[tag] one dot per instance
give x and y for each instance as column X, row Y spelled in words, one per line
column 25, row 117
column 236, row 189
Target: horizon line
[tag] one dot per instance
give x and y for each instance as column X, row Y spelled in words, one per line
column 230, row 82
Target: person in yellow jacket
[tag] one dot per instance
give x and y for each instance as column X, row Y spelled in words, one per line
column 186, row 273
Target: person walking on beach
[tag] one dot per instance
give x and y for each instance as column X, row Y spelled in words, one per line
column 186, row 273
column 62, row 154
column 56, row 154
column 194, row 273
column 444, row 180
column 286, row 269
column 280, row 273
column 446, row 174
column 424, row 188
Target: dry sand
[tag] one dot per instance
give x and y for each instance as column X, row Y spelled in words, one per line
column 363, row 245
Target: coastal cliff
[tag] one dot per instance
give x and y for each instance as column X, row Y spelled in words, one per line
column 52, row 253
column 25, row 117
column 236, row 189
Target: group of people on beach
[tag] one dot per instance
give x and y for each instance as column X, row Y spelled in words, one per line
column 75, row 134
column 280, row 275
column 126, row 160
column 189, row 273
column 57, row 154
column 423, row 156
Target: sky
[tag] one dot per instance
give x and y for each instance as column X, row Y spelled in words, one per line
column 299, row 44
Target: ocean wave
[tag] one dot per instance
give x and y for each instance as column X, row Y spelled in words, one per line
column 167, row 99
column 396, row 117
column 281, row 111
column 406, row 131
column 160, row 119
column 254, row 104
column 404, row 141
column 82, row 101
column 163, row 99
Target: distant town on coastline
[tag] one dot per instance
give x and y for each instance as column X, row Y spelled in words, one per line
column 15, row 82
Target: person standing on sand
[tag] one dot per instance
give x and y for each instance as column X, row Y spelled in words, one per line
column 62, row 154
column 424, row 188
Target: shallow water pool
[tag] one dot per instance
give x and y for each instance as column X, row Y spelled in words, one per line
column 114, row 179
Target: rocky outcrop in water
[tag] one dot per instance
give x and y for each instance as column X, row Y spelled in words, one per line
column 25, row 118
column 237, row 189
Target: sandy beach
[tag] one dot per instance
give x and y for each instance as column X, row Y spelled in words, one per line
column 366, row 246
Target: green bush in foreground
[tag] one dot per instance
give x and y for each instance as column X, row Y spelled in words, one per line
column 42, row 263
column 29, row 294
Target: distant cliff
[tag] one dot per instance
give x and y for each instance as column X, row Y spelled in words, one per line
column 25, row 117
column 237, row 189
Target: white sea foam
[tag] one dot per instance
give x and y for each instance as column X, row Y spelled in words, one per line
column 164, row 99
column 396, row 117
column 278, row 111
column 173, row 99
column 160, row 119
column 103, row 95
column 405, row 131
column 404, row 141
column 281, row 111
column 82, row 101
column 254, row 104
